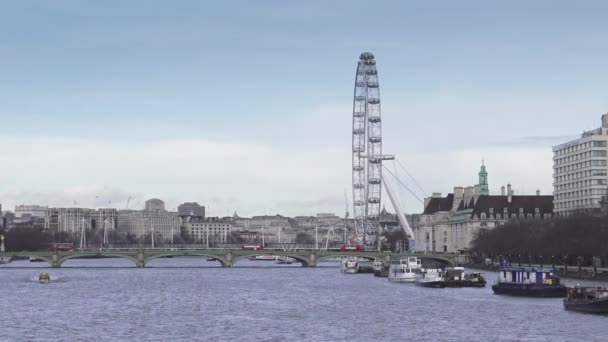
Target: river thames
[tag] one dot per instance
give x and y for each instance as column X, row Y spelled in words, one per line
column 161, row 303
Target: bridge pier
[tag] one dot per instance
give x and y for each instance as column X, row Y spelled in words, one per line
column 55, row 261
column 141, row 259
column 228, row 257
column 312, row 261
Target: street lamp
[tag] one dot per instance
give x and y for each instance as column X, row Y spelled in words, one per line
column 83, row 237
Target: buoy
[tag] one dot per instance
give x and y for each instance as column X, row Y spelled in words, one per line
column 44, row 277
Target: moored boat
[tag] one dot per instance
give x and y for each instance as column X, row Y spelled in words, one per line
column 457, row 277
column 35, row 259
column 430, row 278
column 405, row 270
column 284, row 260
column 528, row 282
column 350, row 266
column 587, row 299
column 5, row 259
column 379, row 269
column 263, row 258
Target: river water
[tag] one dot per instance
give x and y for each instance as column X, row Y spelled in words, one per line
column 249, row 303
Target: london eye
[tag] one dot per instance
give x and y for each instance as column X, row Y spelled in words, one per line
column 367, row 151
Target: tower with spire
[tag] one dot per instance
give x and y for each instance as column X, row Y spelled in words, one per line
column 484, row 189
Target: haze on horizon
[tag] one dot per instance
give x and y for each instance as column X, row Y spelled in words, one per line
column 247, row 108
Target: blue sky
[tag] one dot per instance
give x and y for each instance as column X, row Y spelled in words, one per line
column 460, row 81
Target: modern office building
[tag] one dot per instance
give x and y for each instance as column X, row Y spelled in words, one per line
column 191, row 209
column 154, row 218
column 580, row 172
column 211, row 229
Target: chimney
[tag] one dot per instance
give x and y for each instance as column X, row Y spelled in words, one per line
column 537, row 192
column 509, row 193
column 469, row 192
column 458, row 196
column 426, row 201
column 476, row 192
column 502, row 190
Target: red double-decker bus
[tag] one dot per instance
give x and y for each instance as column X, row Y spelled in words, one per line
column 62, row 246
column 252, row 247
column 352, row 248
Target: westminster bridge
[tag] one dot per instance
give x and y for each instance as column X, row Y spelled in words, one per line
column 226, row 257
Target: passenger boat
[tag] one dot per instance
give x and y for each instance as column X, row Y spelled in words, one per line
column 405, row 270
column 528, row 282
column 284, row 260
column 262, row 257
column 587, row 299
column 456, row 277
column 350, row 266
column 430, row 278
column 35, row 259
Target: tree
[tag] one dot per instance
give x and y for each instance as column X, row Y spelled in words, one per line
column 304, row 239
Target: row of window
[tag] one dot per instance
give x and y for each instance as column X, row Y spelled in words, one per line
column 579, row 156
column 579, row 166
column 581, row 174
column 579, row 147
column 580, row 184
column 580, row 193
column 576, row 203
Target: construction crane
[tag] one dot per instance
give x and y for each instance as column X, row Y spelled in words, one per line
column 127, row 205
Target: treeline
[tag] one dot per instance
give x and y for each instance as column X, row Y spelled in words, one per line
column 553, row 241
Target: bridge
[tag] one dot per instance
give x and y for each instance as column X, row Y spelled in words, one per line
column 226, row 257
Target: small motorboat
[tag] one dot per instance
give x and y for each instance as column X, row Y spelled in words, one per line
column 430, row 278
column 283, row 260
column 35, row 259
column 44, row 278
column 587, row 299
column 457, row 277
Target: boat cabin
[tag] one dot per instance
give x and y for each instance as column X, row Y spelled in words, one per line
column 527, row 275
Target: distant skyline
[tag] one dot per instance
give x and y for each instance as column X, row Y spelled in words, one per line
column 247, row 107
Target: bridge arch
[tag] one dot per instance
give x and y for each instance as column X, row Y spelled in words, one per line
column 61, row 260
column 301, row 259
column 220, row 259
column 26, row 255
column 354, row 255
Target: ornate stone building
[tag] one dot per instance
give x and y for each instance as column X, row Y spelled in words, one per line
column 449, row 224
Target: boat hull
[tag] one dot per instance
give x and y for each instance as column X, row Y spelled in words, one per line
column 596, row 306
column 464, row 283
column 402, row 280
column 531, row 291
column 350, row 271
column 438, row 284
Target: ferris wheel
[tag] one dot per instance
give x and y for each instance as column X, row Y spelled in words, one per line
column 367, row 151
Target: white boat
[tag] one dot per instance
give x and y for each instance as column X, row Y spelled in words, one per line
column 430, row 277
column 405, row 270
column 284, row 260
column 263, row 258
column 35, row 259
column 350, row 266
column 5, row 259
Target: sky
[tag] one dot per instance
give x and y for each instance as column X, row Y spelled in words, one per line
column 246, row 106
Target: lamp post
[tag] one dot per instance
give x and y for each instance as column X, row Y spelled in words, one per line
column 83, row 236
column 105, row 233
